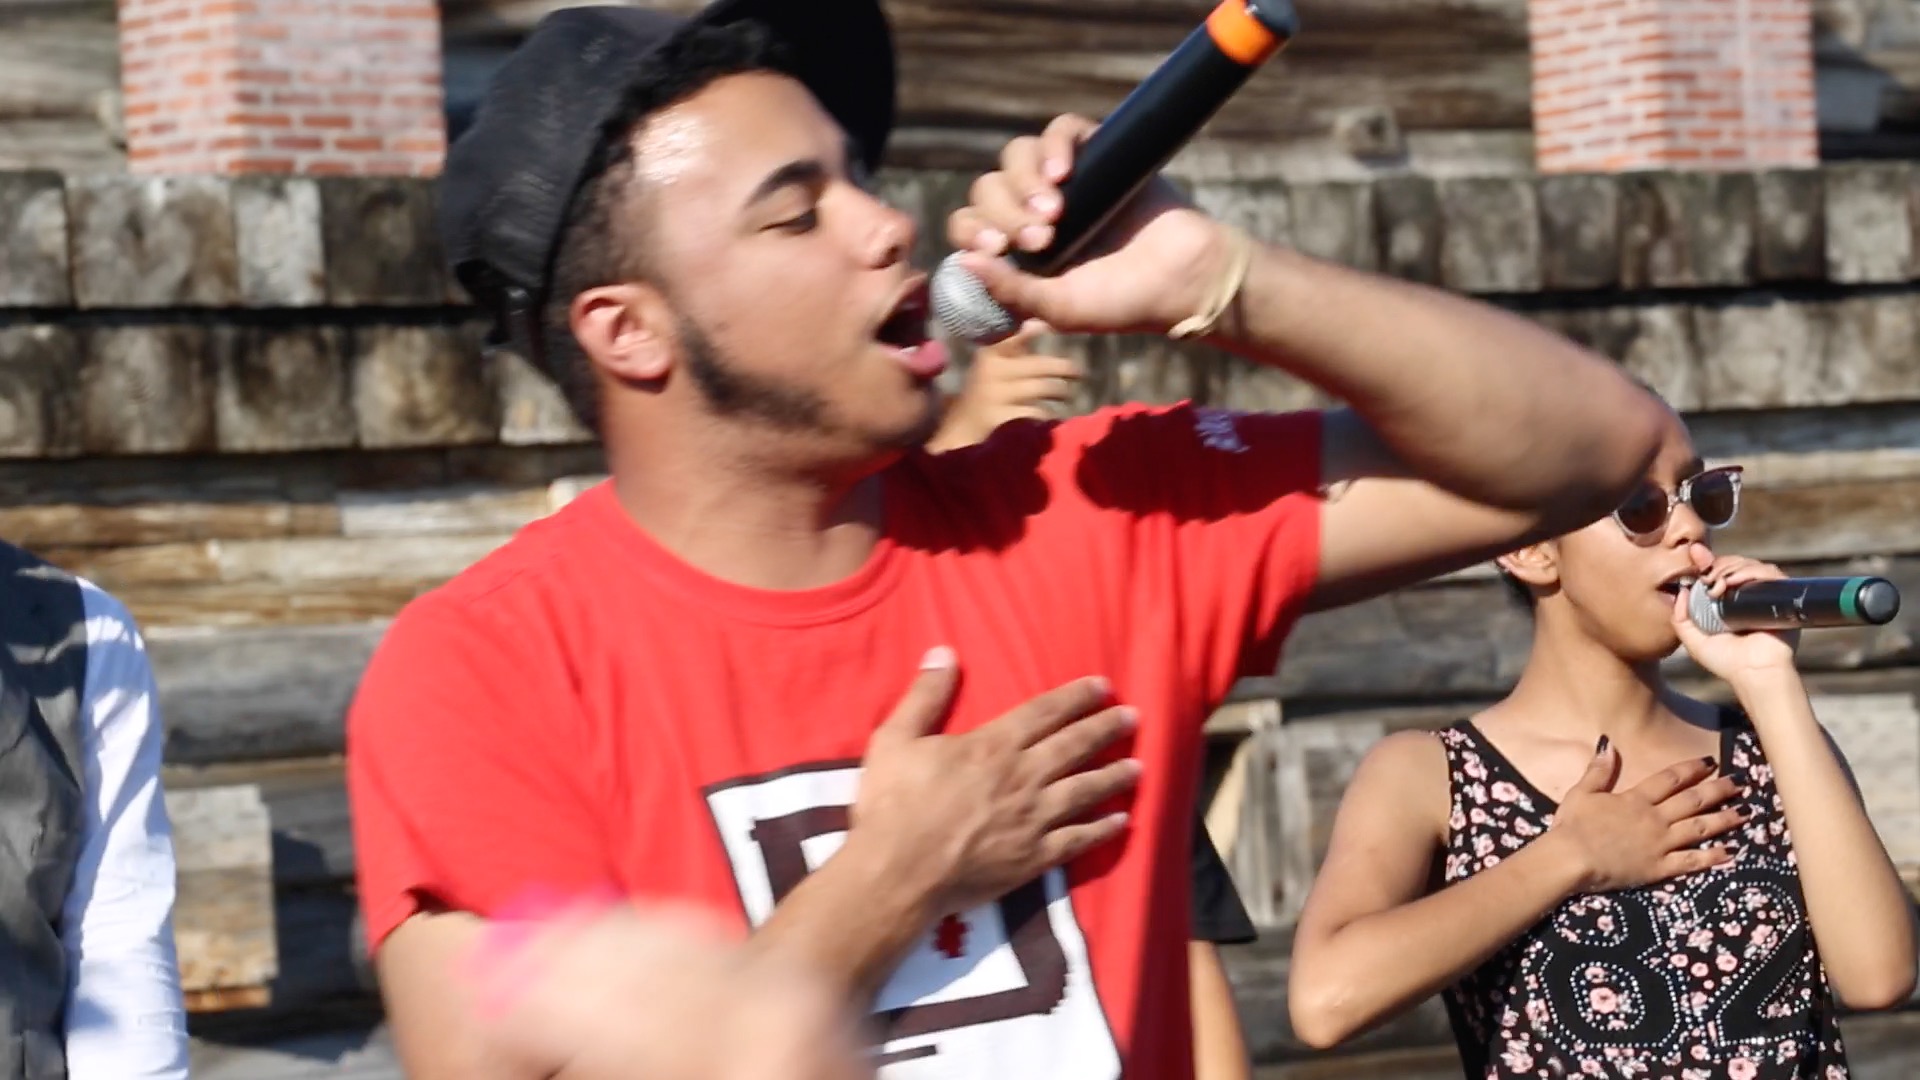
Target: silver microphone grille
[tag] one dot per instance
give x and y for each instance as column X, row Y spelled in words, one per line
column 963, row 307
column 1703, row 610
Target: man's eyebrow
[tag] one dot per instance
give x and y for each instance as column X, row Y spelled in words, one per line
column 808, row 173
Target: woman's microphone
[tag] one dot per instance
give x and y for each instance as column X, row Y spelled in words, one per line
column 1794, row 604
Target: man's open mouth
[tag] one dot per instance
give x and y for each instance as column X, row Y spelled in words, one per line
column 906, row 328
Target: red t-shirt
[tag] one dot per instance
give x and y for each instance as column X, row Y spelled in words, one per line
column 581, row 707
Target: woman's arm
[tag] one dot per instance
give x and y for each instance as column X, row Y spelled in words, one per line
column 1219, row 1046
column 1861, row 916
column 1373, row 942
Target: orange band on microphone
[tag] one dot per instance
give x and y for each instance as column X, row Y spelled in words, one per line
column 1241, row 35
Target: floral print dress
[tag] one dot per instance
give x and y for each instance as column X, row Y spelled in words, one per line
column 1712, row 975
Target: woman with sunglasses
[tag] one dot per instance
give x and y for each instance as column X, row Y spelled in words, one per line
column 1602, row 876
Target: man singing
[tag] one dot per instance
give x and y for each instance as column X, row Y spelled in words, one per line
column 686, row 686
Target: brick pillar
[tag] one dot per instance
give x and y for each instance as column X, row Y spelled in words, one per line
column 1672, row 84
column 342, row 87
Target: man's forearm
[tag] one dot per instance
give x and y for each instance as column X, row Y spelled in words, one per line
column 852, row 921
column 1486, row 404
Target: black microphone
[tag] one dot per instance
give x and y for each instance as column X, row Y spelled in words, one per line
column 1795, row 603
column 1127, row 149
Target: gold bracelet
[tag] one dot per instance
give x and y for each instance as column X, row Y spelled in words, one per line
column 1239, row 258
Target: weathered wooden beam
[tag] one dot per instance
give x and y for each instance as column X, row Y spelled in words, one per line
column 223, row 919
column 33, row 241
column 153, row 241
column 294, row 561
column 198, row 507
column 258, row 693
column 1437, row 64
column 305, row 801
column 300, row 478
column 264, row 692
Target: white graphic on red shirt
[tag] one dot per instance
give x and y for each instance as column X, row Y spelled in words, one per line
column 1000, row 990
column 1219, row 430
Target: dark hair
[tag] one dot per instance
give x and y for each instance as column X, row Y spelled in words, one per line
column 1518, row 590
column 600, row 243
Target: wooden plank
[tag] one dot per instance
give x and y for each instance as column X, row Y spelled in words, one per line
column 283, row 388
column 1880, row 736
column 306, row 806
column 258, row 693
column 1313, row 762
column 1792, row 225
column 224, row 911
column 1687, row 230
column 1869, row 228
column 147, row 389
column 39, row 403
column 381, row 243
column 266, row 692
column 323, row 968
column 277, row 227
column 63, row 524
column 303, row 476
column 152, row 241
column 1490, row 238
column 303, row 561
column 1436, row 64
column 266, row 604
column 423, row 386
column 466, row 510
column 1580, row 223
column 56, row 64
column 34, row 268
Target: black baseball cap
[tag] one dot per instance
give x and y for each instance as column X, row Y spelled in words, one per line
column 510, row 179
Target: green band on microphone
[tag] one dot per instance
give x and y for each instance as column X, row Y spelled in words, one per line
column 1850, row 596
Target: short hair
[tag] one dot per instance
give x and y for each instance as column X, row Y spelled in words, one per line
column 1517, row 589
column 595, row 248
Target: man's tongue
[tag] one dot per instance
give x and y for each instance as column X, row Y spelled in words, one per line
column 927, row 359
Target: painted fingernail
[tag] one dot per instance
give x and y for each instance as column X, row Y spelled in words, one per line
column 938, row 658
column 1056, row 168
column 1601, row 746
column 1745, row 812
column 1709, row 762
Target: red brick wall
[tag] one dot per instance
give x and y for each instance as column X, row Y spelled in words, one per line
column 345, row 87
column 1687, row 84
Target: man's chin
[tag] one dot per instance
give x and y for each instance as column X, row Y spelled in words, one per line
column 925, row 426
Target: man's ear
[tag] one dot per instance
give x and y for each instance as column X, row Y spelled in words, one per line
column 628, row 330
column 1536, row 565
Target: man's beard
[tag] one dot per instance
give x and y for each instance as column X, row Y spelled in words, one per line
column 731, row 391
